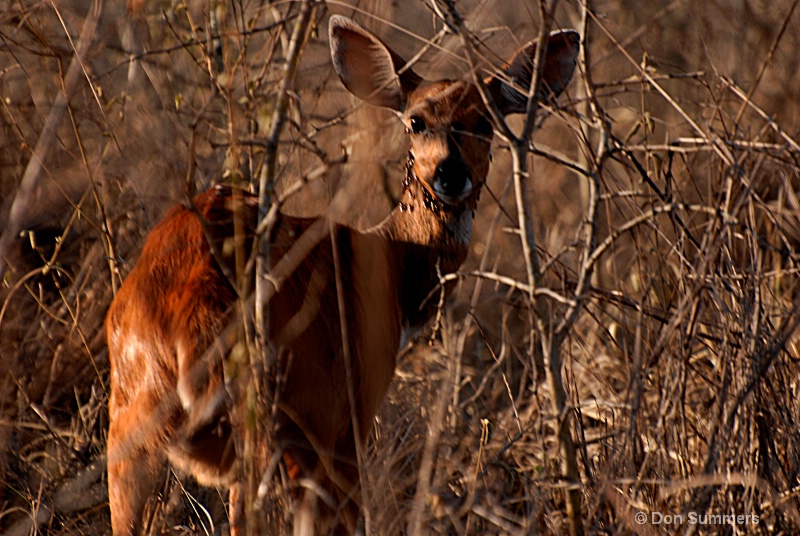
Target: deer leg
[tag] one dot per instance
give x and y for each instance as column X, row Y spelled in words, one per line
column 136, row 439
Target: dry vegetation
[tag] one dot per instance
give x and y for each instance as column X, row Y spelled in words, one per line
column 654, row 370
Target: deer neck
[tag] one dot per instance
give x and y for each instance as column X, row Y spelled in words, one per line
column 427, row 238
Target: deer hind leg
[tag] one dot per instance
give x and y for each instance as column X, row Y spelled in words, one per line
column 136, row 439
column 203, row 442
column 130, row 484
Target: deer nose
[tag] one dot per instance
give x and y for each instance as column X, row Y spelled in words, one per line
column 452, row 179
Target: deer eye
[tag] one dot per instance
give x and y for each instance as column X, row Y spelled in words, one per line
column 418, row 125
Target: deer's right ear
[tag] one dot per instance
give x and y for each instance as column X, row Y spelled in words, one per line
column 367, row 67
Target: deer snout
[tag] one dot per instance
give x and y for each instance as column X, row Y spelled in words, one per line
column 452, row 180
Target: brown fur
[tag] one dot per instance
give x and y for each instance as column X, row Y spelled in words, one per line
column 167, row 381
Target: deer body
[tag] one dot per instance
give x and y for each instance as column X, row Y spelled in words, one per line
column 168, row 398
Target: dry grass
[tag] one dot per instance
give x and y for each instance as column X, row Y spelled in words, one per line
column 671, row 288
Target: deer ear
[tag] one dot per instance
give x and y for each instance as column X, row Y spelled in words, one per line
column 367, row 67
column 559, row 64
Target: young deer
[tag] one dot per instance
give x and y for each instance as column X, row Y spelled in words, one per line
column 167, row 386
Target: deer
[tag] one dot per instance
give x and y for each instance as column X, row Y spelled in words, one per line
column 344, row 306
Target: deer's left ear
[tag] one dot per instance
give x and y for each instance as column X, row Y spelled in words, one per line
column 559, row 64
